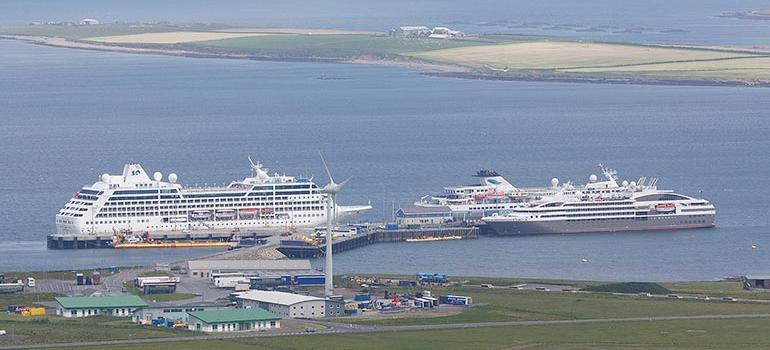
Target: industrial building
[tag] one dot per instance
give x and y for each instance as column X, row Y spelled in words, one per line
column 121, row 306
column 423, row 215
column 288, row 305
column 205, row 268
column 233, row 320
column 756, row 282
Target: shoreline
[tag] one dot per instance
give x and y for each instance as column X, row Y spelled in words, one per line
column 432, row 69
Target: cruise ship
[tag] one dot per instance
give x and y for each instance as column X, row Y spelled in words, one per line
column 134, row 202
column 605, row 206
column 492, row 195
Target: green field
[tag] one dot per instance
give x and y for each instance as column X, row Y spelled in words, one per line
column 700, row 334
column 330, row 46
column 516, row 305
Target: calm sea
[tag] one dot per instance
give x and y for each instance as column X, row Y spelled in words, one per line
column 68, row 116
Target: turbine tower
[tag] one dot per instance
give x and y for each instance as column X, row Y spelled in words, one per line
column 331, row 189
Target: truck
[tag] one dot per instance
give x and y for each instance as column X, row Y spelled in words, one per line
column 30, row 282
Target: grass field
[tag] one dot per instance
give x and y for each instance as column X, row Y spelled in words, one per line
column 700, row 334
column 170, row 37
column 513, row 305
column 331, row 46
column 49, row 329
column 607, row 58
column 107, row 29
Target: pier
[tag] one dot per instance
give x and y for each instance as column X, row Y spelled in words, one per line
column 304, row 250
column 88, row 241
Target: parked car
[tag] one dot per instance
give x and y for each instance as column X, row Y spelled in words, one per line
column 729, row 299
column 487, row 286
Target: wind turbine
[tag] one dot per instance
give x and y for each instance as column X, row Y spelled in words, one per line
column 331, row 189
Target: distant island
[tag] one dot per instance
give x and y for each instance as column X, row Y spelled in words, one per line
column 438, row 51
column 761, row 14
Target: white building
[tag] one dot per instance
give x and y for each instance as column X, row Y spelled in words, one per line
column 412, row 31
column 122, row 305
column 232, row 320
column 205, row 268
column 288, row 305
column 88, row 21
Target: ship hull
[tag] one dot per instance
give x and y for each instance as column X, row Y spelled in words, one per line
column 668, row 222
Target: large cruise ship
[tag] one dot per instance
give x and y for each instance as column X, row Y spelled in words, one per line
column 135, row 202
column 605, row 206
column 492, row 195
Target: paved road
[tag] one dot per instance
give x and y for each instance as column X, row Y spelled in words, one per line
column 339, row 328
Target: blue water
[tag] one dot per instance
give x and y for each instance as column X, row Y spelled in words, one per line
column 68, row 116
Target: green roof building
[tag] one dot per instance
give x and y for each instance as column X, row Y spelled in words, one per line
column 233, row 320
column 122, row 305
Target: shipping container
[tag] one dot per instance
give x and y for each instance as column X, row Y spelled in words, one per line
column 34, row 311
column 362, row 297
column 391, row 227
column 80, row 279
column 455, row 300
column 310, row 280
column 96, row 277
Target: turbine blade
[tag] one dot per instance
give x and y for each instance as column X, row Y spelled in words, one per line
column 344, row 182
column 331, row 180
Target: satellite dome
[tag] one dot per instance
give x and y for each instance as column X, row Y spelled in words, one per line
column 157, row 176
column 593, row 178
column 105, row 178
column 625, row 183
column 554, row 182
column 172, row 178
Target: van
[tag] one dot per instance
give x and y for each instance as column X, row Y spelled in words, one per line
column 487, row 286
column 30, row 282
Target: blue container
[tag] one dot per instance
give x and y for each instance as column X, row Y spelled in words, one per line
column 286, row 280
column 80, row 279
column 310, row 280
column 391, row 227
column 362, row 297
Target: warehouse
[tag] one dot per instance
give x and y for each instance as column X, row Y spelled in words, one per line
column 756, row 282
column 233, row 320
column 121, row 306
column 205, row 268
column 423, row 215
column 288, row 305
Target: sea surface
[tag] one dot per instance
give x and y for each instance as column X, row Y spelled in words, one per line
column 67, row 116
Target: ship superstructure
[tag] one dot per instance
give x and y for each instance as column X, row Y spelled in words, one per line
column 605, row 206
column 135, row 202
column 493, row 194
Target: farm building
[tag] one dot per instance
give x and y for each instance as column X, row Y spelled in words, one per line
column 233, row 320
column 124, row 305
column 205, row 268
column 288, row 305
column 412, row 31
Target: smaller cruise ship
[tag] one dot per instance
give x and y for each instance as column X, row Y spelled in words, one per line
column 493, row 194
column 605, row 206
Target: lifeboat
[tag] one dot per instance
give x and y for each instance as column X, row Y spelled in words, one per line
column 479, row 197
column 201, row 214
column 225, row 214
column 665, row 207
column 496, row 195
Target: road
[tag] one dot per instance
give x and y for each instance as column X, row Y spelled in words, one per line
column 341, row 328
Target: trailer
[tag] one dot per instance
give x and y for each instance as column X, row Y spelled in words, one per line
column 455, row 300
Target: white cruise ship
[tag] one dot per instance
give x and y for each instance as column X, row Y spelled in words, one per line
column 493, row 194
column 135, row 202
column 605, row 206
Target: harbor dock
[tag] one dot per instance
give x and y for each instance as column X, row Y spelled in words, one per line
column 88, row 241
column 303, row 250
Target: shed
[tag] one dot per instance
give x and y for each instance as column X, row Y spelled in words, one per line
column 123, row 305
column 434, row 215
column 233, row 320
